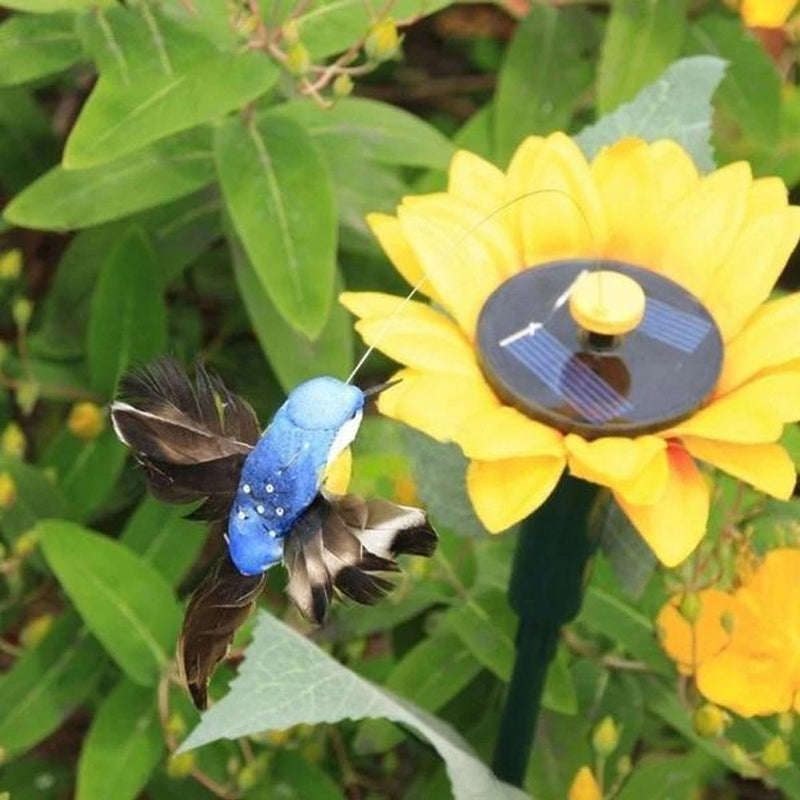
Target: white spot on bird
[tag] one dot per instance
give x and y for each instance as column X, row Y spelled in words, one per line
column 279, row 511
column 260, row 509
column 246, row 488
column 270, row 488
column 273, row 534
column 242, row 515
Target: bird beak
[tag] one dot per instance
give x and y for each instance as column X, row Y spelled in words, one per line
column 381, row 387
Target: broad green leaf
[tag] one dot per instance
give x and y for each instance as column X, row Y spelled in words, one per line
column 372, row 130
column 477, row 133
column 440, row 473
column 431, row 674
column 666, row 777
column 643, row 37
column 27, row 143
column 36, row 46
column 53, row 779
column 546, row 70
column 123, row 745
column 160, row 535
column 293, row 777
column 486, row 624
column 118, row 119
column 66, row 199
column 37, row 498
column 293, row 356
column 559, row 692
column 561, row 748
column 750, row 93
column 286, row 680
column 677, row 106
column 280, row 199
column 86, row 471
column 126, row 604
column 127, row 323
column 51, row 6
column 47, row 683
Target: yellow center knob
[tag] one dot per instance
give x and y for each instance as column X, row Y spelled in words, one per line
column 607, row 302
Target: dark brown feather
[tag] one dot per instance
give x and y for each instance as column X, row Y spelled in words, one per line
column 218, row 608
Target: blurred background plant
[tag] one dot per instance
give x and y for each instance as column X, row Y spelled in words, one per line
column 192, row 177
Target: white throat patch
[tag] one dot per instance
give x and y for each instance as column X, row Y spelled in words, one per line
column 344, row 437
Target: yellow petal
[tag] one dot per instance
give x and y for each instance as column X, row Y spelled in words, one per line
column 436, row 403
column 747, row 684
column 477, row 182
column 462, row 272
column 389, row 398
column 691, row 644
column 636, row 468
column 391, row 238
column 411, row 333
column 625, row 178
column 337, row 476
column 775, row 590
column 766, row 13
column 770, row 338
column 766, row 195
column 561, row 214
column 584, row 786
column 502, row 432
column 674, row 525
column 701, row 229
column 767, row 467
column 675, row 171
column 746, row 277
column 476, row 235
column 505, row 492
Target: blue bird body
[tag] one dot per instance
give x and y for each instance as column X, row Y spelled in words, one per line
column 283, row 473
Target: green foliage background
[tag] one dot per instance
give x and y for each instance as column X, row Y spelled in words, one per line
column 171, row 191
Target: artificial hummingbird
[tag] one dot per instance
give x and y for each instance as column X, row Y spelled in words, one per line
column 265, row 493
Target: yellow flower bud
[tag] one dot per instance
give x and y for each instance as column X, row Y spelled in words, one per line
column 298, row 59
column 710, row 720
column 35, row 630
column 290, row 32
column 181, row 765
column 605, row 737
column 10, row 265
column 775, row 754
column 624, row 765
column 86, row 421
column 21, row 310
column 247, row 777
column 13, row 442
column 786, row 723
column 176, row 726
column 691, row 607
column 343, row 85
column 26, row 543
column 8, row 490
column 584, row 786
column 383, row 41
column 27, row 395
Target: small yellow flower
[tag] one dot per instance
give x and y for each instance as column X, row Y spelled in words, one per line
column 764, row 13
column 13, row 442
column 776, row 753
column 724, row 237
column 605, row 737
column 584, row 786
column 710, row 720
column 383, row 41
column 181, row 765
column 10, row 265
column 298, row 59
column 8, row 490
column 343, row 85
column 86, row 421
column 755, row 668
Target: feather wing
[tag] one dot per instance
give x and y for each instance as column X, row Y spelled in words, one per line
column 192, row 440
column 218, row 608
column 345, row 544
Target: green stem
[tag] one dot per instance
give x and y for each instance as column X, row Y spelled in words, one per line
column 546, row 591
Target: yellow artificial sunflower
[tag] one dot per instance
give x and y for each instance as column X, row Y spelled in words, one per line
column 724, row 237
column 744, row 648
column 764, row 13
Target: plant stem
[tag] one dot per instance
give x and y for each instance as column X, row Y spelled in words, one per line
column 546, row 591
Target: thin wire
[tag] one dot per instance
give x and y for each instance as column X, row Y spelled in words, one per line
column 418, row 285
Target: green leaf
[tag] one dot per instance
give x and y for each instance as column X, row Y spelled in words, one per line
column 643, row 37
column 51, row 6
column 663, row 778
column 292, row 355
column 37, row 498
column 118, row 119
column 77, row 198
column 47, row 683
column 546, row 70
column 280, row 199
column 559, row 692
column 36, row 46
column 750, row 94
column 293, row 777
column 123, row 745
column 286, row 680
column 485, row 623
column 126, row 604
column 677, row 106
column 431, row 674
column 371, row 130
column 127, row 323
column 161, row 536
